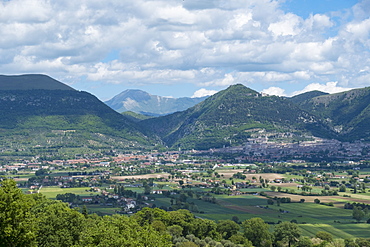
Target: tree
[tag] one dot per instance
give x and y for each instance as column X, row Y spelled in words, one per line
column 175, row 230
column 84, row 211
column 147, row 189
column 362, row 242
column 357, row 213
column 148, row 215
column 58, row 224
column 41, row 172
column 342, row 188
column 240, row 239
column 287, row 232
column 270, row 201
column 17, row 223
column 235, row 219
column 273, row 188
column 324, row 236
column 227, row 228
column 304, row 242
column 204, row 228
column 257, row 231
column 119, row 230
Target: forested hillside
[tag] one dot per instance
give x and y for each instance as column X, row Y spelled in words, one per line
column 30, row 82
column 46, row 122
column 346, row 113
column 229, row 117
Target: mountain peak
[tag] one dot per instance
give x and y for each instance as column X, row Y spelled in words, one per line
column 30, row 82
column 230, row 117
column 142, row 102
column 241, row 87
column 134, row 94
column 237, row 91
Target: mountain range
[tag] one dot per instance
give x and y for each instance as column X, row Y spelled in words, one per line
column 151, row 105
column 40, row 114
column 231, row 116
column 346, row 113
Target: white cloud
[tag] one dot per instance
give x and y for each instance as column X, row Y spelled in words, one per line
column 274, row 91
column 206, row 43
column 30, row 11
column 289, row 25
column 318, row 22
column 329, row 87
column 203, row 92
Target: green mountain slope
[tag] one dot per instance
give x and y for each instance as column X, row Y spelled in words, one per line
column 151, row 105
column 135, row 117
column 298, row 99
column 62, row 121
column 348, row 113
column 230, row 117
column 30, row 82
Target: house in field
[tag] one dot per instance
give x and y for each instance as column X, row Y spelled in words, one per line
column 87, row 199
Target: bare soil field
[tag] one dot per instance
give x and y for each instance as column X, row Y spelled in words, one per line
column 20, row 179
column 334, row 199
column 249, row 176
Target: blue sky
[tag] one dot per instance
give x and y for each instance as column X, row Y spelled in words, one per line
column 189, row 48
column 304, row 8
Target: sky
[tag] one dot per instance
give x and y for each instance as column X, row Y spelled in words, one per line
column 189, row 48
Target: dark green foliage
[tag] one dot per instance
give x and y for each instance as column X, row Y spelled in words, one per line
column 359, row 242
column 68, row 197
column 17, row 224
column 45, row 121
column 287, row 232
column 306, row 96
column 324, row 236
column 68, row 106
column 304, row 242
column 30, row 82
column 257, row 231
column 227, row 228
column 358, row 214
column 118, row 231
column 36, row 221
column 59, row 225
column 135, row 117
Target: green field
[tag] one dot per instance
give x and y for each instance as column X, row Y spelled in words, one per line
column 52, row 191
column 102, row 209
column 310, row 217
column 337, row 230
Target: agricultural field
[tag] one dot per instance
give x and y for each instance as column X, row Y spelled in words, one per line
column 311, row 217
column 146, row 176
column 52, row 191
column 219, row 193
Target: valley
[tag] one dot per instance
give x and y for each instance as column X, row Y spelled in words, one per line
column 321, row 195
column 234, row 156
